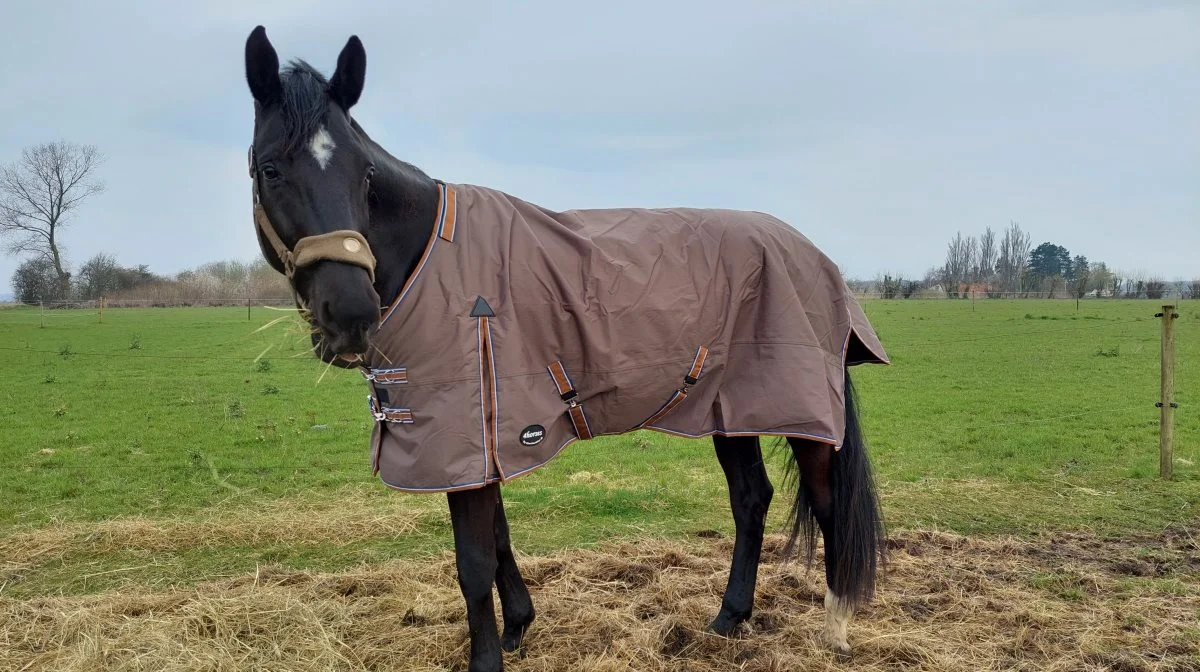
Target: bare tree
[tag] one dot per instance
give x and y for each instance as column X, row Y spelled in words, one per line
column 1115, row 282
column 98, row 276
column 1135, row 285
column 1013, row 257
column 933, row 278
column 972, row 255
column 889, row 285
column 960, row 263
column 986, row 261
column 39, row 192
column 1080, row 282
column 34, row 281
column 1100, row 277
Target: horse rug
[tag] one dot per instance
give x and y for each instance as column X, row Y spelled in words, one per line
column 522, row 330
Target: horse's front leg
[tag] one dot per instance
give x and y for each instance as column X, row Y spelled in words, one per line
column 514, row 595
column 750, row 493
column 473, row 515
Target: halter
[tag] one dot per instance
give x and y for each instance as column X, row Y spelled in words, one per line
column 342, row 245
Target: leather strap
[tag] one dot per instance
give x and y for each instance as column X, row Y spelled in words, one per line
column 387, row 376
column 346, row 246
column 674, row 401
column 689, row 379
column 384, row 414
column 342, row 245
column 399, row 415
column 693, row 374
column 447, row 218
column 566, row 391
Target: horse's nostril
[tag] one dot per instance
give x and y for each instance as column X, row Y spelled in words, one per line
column 346, row 324
column 324, row 312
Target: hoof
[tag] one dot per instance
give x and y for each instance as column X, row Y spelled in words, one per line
column 841, row 652
column 725, row 624
column 515, row 628
column 488, row 666
column 511, row 640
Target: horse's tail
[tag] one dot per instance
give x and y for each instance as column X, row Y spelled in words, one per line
column 858, row 534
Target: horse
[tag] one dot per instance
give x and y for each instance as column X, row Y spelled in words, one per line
column 352, row 227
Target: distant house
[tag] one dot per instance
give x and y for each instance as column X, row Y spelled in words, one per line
column 977, row 289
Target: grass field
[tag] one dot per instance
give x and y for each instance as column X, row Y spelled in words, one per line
column 165, row 448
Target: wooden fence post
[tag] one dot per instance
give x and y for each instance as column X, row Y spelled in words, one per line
column 1166, row 404
column 103, row 300
column 247, row 309
column 42, row 312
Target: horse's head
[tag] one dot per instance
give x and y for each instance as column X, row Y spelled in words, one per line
column 312, row 177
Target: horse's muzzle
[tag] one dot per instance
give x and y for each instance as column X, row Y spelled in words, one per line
column 345, row 310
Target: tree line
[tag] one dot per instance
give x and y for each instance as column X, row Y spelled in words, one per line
column 36, row 280
column 39, row 194
column 41, row 191
column 1008, row 265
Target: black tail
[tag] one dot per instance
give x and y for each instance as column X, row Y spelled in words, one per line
column 858, row 535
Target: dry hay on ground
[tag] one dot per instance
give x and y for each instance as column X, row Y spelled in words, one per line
column 1068, row 602
column 340, row 521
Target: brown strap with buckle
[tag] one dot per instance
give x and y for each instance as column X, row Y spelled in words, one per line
column 693, row 375
column 398, row 415
column 387, row 376
column 566, row 391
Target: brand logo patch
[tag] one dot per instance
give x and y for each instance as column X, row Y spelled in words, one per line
column 532, row 435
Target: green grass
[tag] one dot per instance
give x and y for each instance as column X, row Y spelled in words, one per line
column 998, row 417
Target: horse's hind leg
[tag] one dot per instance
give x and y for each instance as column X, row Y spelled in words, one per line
column 836, row 489
column 473, row 515
column 750, row 494
column 514, row 595
column 814, row 460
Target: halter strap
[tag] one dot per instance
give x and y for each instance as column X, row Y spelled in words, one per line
column 342, row 245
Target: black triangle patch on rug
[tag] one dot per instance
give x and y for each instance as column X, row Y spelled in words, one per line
column 481, row 308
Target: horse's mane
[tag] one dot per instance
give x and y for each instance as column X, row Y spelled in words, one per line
column 304, row 104
column 304, row 107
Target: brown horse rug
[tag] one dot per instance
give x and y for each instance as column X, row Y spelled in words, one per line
column 524, row 329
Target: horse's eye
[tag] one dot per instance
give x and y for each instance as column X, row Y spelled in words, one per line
column 269, row 172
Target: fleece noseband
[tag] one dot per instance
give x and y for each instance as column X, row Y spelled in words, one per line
column 342, row 245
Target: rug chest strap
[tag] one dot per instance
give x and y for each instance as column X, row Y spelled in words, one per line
column 566, row 391
column 384, row 413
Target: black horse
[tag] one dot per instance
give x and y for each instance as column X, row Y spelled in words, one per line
column 316, row 171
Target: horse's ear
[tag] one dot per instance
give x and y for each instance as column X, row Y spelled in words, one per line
column 346, row 85
column 262, row 68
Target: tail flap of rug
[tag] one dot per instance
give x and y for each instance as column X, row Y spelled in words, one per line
column 863, row 346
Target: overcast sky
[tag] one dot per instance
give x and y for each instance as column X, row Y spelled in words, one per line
column 878, row 129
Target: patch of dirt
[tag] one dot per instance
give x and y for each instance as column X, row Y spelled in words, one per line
column 1062, row 602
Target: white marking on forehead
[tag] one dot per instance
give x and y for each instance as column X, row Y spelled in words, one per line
column 321, row 147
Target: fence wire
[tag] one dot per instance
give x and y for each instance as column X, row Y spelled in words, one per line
column 198, row 463
column 121, row 354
